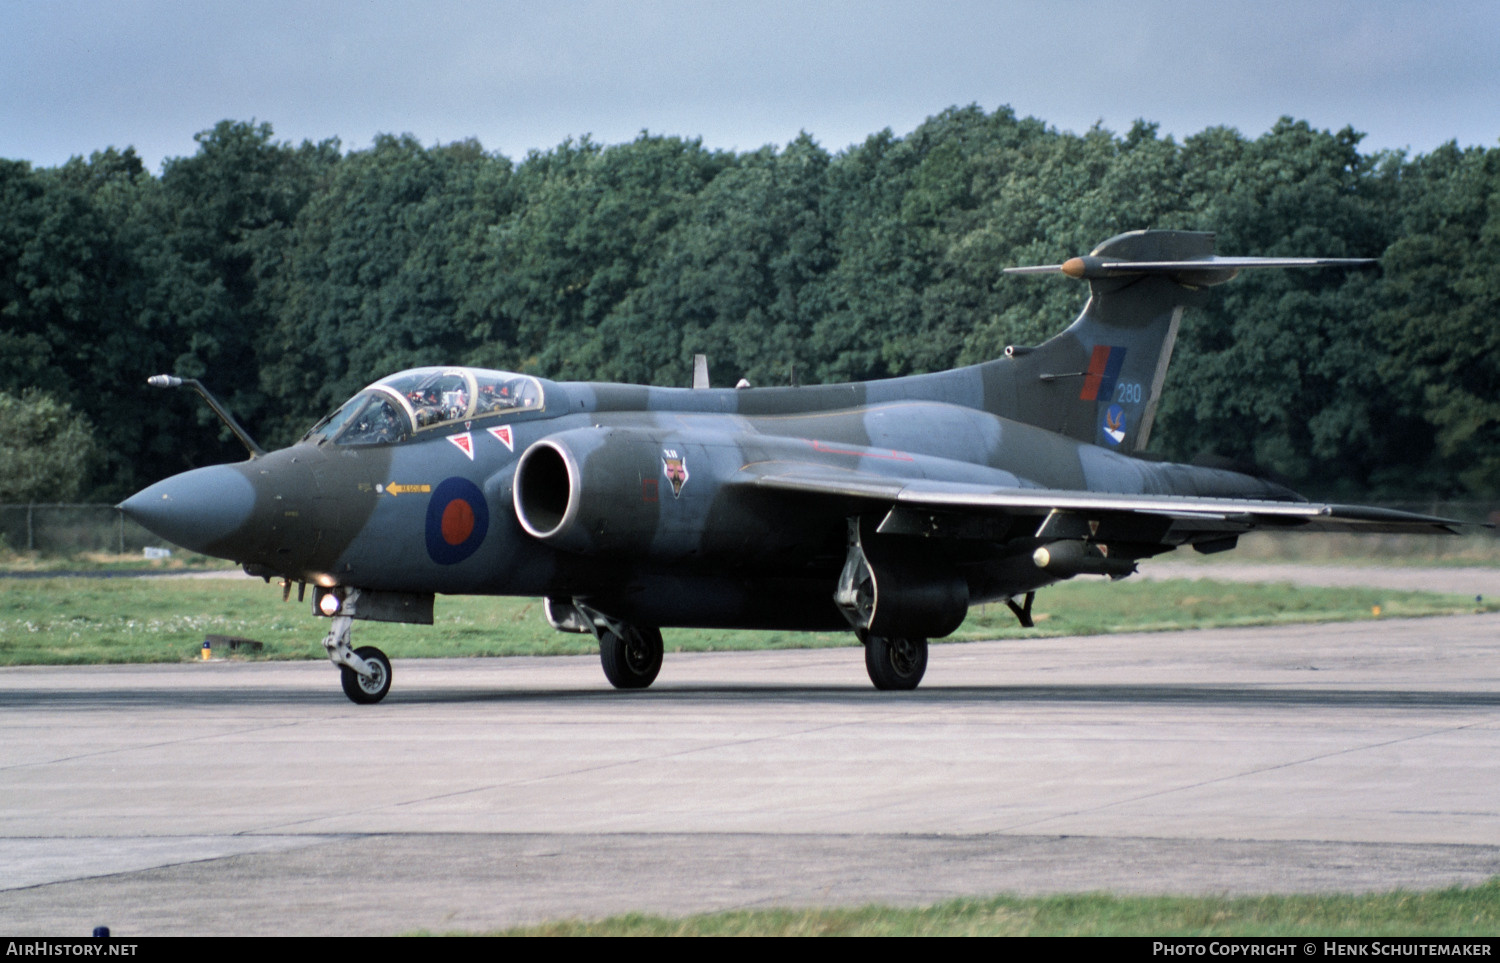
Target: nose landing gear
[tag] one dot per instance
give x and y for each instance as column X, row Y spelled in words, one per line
column 367, row 689
column 365, row 672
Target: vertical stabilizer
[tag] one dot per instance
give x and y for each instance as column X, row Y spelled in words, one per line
column 1100, row 380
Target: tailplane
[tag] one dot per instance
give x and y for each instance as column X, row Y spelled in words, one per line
column 1100, row 380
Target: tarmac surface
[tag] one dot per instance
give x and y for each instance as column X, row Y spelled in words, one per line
column 252, row 798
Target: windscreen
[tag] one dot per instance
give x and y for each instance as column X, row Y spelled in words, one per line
column 405, row 404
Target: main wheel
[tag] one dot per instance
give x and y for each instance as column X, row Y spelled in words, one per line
column 895, row 664
column 367, row 691
column 631, row 660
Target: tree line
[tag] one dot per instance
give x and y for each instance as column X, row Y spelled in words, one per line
column 287, row 276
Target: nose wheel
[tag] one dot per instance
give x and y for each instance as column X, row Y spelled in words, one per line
column 364, row 672
column 367, row 689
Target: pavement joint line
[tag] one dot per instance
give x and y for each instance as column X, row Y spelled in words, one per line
column 1288, row 764
column 534, row 780
column 136, row 747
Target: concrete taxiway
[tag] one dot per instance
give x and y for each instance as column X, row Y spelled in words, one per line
column 253, row 798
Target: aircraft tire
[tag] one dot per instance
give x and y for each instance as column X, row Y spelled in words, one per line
column 367, row 691
column 631, row 661
column 895, row 664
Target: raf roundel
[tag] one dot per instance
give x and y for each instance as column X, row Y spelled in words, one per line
column 457, row 519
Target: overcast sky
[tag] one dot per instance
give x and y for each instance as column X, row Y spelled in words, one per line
column 77, row 76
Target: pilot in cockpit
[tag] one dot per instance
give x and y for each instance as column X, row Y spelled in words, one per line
column 503, row 396
column 377, row 422
column 424, row 406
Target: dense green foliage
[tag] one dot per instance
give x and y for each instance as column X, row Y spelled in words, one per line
column 46, row 449
column 286, row 277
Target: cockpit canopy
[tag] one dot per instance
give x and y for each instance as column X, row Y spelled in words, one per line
column 396, row 408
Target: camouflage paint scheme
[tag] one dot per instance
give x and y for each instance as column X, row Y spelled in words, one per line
column 888, row 507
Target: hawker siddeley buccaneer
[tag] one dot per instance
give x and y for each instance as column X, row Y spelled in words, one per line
column 885, row 507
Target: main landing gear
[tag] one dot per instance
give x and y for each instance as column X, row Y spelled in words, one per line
column 631, row 655
column 365, row 672
column 894, row 664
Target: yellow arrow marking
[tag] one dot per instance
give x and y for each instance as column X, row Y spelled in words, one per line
column 407, row 489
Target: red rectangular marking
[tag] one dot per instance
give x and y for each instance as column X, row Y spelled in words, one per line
column 1098, row 361
column 863, row 453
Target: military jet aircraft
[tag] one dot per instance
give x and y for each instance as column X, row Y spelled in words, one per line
column 885, row 507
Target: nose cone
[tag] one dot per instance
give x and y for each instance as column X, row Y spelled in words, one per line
column 198, row 509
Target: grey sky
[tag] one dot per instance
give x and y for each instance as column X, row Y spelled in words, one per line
column 77, row 76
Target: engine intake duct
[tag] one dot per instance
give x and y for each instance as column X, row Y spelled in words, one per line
column 582, row 491
column 630, row 492
column 546, row 490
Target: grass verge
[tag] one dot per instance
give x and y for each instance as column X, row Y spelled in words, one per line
column 60, row 621
column 1455, row 912
column 181, row 560
column 1473, row 549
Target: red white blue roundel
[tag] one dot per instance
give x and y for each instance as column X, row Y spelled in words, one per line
column 457, row 520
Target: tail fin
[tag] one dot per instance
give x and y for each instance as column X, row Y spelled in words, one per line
column 1100, row 380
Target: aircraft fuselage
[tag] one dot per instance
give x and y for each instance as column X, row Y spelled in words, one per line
column 675, row 542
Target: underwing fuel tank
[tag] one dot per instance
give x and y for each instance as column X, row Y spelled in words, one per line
column 1067, row 559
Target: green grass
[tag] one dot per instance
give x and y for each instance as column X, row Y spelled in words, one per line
column 1460, row 911
column 59, row 621
column 1095, row 607
column 1476, row 548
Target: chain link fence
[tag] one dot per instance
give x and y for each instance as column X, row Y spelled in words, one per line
column 66, row 530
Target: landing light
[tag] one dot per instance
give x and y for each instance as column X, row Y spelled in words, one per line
column 329, row 604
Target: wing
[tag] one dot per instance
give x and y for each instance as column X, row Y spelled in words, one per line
column 1161, row 519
